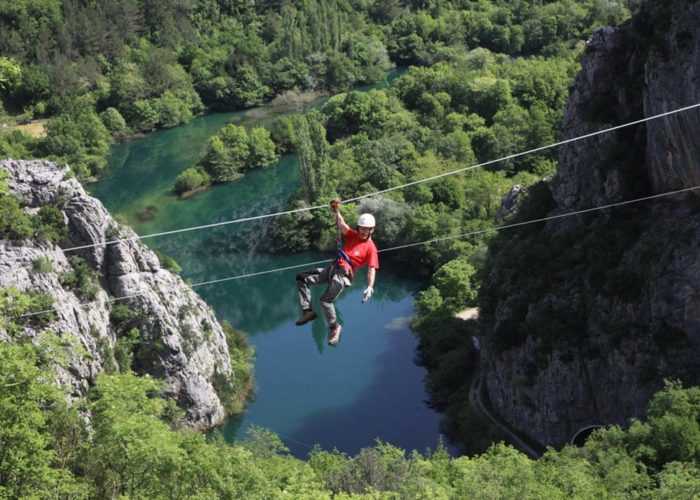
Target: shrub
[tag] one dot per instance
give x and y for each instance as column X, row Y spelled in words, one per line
column 141, row 116
column 234, row 390
column 42, row 265
column 168, row 262
column 15, row 224
column 51, row 224
column 14, row 305
column 191, row 179
column 115, row 123
column 261, row 148
column 82, row 279
column 124, row 348
column 171, row 110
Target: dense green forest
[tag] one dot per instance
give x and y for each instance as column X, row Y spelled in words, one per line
column 101, row 71
column 132, row 449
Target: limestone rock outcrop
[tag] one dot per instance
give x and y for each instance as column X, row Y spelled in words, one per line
column 180, row 340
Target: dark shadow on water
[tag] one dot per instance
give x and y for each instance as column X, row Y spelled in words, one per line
column 319, row 332
column 392, row 409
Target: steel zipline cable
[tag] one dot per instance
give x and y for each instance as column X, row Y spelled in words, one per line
column 394, row 188
column 399, row 247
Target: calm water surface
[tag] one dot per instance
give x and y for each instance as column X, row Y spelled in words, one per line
column 346, row 397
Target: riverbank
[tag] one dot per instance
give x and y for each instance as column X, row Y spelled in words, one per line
column 293, row 100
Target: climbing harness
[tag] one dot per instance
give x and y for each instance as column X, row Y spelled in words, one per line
column 340, row 254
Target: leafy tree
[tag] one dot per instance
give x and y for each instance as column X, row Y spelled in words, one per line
column 133, row 452
column 671, row 431
column 454, row 280
column 393, row 217
column 115, row 123
column 171, row 110
column 312, row 148
column 288, row 74
column 79, row 137
column 260, row 147
column 27, row 459
column 10, row 73
column 141, row 115
column 282, row 134
column 341, row 72
column 15, row 144
column 246, row 89
column 217, row 162
column 428, row 302
column 371, row 58
column 235, row 139
column 227, row 154
column 355, row 112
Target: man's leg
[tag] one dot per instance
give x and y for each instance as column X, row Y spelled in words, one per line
column 334, row 288
column 311, row 277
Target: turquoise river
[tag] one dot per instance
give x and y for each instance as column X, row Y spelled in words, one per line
column 347, row 397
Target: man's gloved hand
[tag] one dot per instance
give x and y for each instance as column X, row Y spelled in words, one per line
column 335, row 203
column 367, row 294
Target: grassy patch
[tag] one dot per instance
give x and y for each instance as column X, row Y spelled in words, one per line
column 35, row 128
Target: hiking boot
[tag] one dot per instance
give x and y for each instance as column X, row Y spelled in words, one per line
column 305, row 317
column 334, row 335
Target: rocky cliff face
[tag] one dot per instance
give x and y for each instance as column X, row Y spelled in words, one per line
column 179, row 338
column 584, row 317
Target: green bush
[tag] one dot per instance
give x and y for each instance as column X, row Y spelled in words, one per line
column 14, row 304
column 141, row 116
column 191, row 179
column 51, row 224
column 43, row 265
column 261, row 149
column 168, row 262
column 15, row 144
column 15, row 224
column 82, row 278
column 234, row 391
column 115, row 123
column 171, row 110
column 124, row 348
column 78, row 137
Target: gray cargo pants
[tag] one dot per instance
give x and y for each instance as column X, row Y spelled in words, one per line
column 337, row 280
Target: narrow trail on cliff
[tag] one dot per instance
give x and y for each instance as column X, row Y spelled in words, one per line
column 476, row 401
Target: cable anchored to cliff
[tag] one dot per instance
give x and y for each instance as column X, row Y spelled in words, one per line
column 394, row 188
column 399, row 247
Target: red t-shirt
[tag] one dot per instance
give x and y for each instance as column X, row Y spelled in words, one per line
column 361, row 252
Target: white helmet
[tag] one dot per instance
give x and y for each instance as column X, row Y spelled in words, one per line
column 366, row 220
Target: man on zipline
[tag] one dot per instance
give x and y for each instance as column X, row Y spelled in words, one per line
column 359, row 250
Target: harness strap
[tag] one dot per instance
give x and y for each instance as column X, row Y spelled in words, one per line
column 340, row 253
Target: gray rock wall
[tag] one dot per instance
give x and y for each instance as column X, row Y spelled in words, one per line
column 181, row 340
column 626, row 325
column 672, row 80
